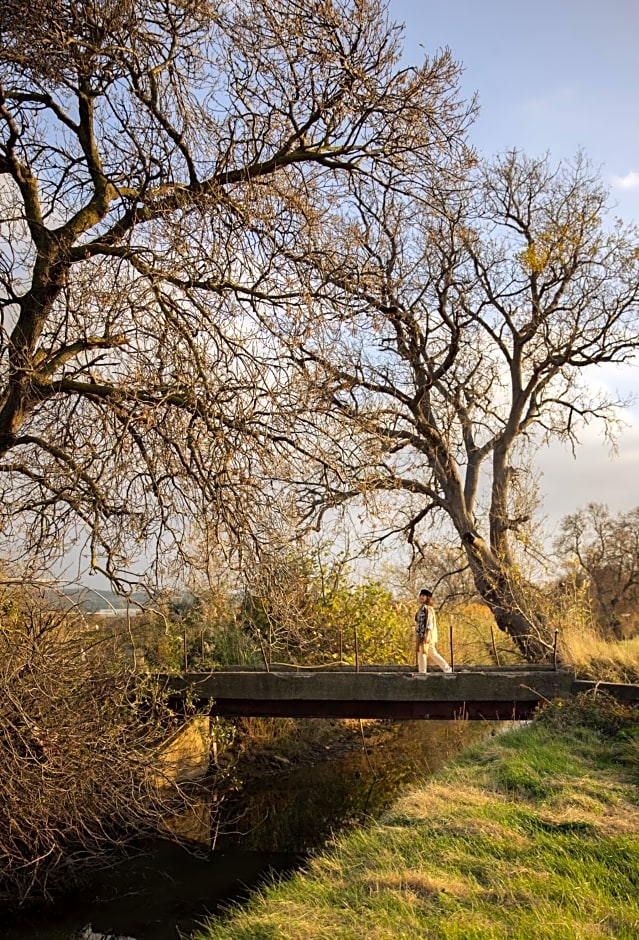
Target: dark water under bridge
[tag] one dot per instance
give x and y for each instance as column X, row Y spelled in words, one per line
column 473, row 692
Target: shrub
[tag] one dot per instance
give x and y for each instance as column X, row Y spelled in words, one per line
column 78, row 743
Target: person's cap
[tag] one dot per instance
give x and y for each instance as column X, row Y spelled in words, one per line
column 426, row 592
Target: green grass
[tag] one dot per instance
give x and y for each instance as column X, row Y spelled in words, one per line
column 532, row 835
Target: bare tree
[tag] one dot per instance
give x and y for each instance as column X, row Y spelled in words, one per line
column 606, row 551
column 157, row 160
column 456, row 338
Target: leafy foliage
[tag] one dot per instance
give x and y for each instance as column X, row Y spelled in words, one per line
column 309, row 612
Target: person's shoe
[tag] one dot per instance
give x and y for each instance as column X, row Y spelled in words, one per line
column 448, row 670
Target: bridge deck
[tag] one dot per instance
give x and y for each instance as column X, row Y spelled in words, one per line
column 490, row 693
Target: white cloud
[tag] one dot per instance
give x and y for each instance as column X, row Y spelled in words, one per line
column 629, row 181
column 595, row 474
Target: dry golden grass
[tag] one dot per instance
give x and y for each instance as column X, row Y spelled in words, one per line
column 477, row 640
column 474, row 636
column 594, row 656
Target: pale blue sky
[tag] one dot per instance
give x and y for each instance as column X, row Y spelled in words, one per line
column 554, row 76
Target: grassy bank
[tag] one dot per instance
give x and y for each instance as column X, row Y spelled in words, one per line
column 533, row 834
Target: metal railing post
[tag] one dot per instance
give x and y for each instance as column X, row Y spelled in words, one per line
column 452, row 651
column 492, row 639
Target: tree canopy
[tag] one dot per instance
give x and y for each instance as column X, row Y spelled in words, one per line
column 453, row 338
column 157, row 163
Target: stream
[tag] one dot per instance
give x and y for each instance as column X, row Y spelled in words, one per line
column 268, row 828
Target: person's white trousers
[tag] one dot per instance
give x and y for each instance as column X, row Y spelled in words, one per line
column 422, row 660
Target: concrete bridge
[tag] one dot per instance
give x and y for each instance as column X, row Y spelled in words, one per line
column 474, row 692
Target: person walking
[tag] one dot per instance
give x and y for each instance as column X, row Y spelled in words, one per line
column 426, row 634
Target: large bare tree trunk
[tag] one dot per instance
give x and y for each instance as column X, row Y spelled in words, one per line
column 515, row 603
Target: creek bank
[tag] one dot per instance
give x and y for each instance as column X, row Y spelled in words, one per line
column 329, row 787
column 530, row 833
column 274, row 820
column 261, row 748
